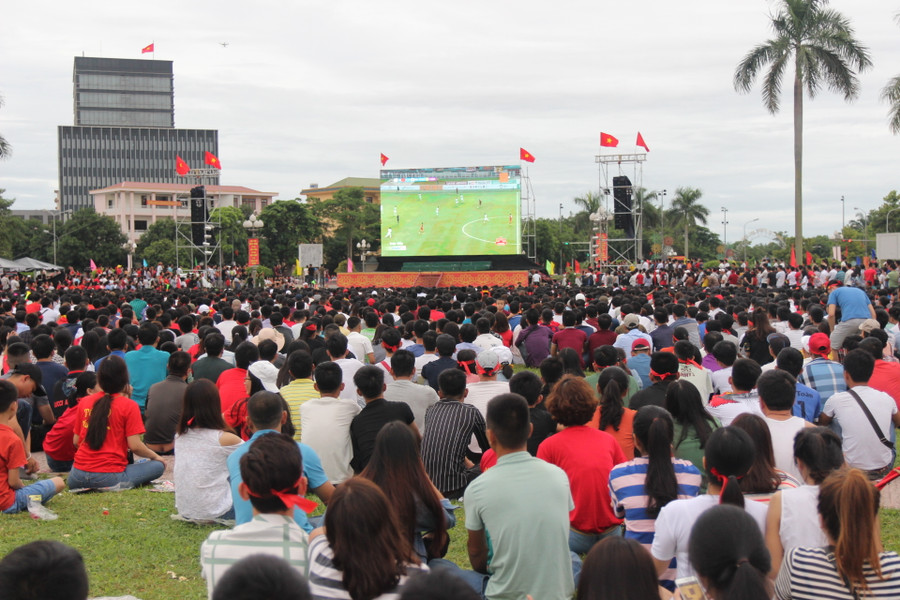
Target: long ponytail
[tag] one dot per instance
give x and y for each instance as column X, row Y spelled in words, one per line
column 654, row 429
column 848, row 504
column 112, row 377
column 729, row 455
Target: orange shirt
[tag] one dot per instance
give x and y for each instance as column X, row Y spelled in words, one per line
column 624, row 434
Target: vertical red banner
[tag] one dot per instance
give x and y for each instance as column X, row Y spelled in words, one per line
column 252, row 252
column 604, row 248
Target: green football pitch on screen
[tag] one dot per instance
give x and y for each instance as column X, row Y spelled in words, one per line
column 439, row 218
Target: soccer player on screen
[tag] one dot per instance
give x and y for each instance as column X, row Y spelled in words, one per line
column 389, row 234
column 485, row 220
column 437, row 211
column 421, row 228
column 510, row 218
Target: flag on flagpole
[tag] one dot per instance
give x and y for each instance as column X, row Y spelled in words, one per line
column 349, row 265
column 145, row 263
column 568, row 266
column 608, row 141
column 793, row 256
column 874, row 257
column 384, row 159
column 212, row 160
column 577, row 267
column 525, row 155
column 549, row 267
column 93, row 265
column 809, row 257
column 641, row 142
column 148, row 48
column 181, row 167
column 298, row 270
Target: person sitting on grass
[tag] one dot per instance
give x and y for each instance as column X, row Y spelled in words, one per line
column 203, row 445
column 23, row 572
column 58, row 446
column 108, row 426
column 13, row 493
column 272, row 482
column 267, row 413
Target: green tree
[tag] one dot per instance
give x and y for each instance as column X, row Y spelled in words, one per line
column 820, row 43
column 687, row 211
column 288, row 223
column 6, row 223
column 5, row 147
column 88, row 236
column 347, row 218
column 30, row 237
column 232, row 235
column 588, row 203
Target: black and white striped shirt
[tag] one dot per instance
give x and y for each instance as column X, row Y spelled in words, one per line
column 449, row 427
column 811, row 574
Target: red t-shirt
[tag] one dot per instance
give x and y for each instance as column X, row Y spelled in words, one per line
column 12, row 456
column 124, row 421
column 625, row 435
column 571, row 338
column 58, row 441
column 231, row 387
column 587, row 456
column 886, row 378
column 601, row 337
column 488, row 460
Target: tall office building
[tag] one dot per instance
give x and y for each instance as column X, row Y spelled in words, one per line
column 124, row 129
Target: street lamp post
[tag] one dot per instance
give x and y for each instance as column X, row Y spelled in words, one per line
column 887, row 223
column 843, row 220
column 363, row 247
column 560, row 237
column 662, row 223
column 724, row 226
column 253, row 225
column 745, row 237
column 865, row 224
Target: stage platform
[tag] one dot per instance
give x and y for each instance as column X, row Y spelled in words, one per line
column 431, row 279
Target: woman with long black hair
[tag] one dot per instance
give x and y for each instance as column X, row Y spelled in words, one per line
column 755, row 342
column 109, row 425
column 729, row 455
column 693, row 425
column 641, row 487
column 396, row 467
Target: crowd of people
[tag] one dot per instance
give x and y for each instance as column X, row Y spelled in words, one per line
column 653, row 437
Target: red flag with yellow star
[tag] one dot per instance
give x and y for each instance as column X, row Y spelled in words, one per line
column 384, row 159
column 181, row 167
column 146, row 49
column 526, row 155
column 212, row 160
column 608, row 140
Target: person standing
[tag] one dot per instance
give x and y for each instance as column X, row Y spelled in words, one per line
column 855, row 307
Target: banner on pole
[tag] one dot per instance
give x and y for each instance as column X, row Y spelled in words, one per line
column 252, row 252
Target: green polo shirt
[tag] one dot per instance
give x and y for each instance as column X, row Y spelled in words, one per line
column 523, row 504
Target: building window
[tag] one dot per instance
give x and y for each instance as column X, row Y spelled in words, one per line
column 144, row 200
column 140, row 225
column 369, row 199
column 109, row 203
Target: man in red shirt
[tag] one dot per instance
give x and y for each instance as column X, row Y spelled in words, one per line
column 886, row 376
column 604, row 336
column 234, row 386
column 569, row 337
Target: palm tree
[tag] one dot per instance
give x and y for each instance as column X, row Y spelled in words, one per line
column 891, row 93
column 643, row 199
column 5, row 148
column 820, row 43
column 589, row 202
column 687, row 211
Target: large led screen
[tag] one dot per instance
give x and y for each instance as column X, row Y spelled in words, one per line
column 451, row 211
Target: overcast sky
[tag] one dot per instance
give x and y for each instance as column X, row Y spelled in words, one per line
column 312, row 92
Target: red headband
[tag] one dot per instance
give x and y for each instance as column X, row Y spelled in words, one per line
column 723, row 479
column 387, row 346
column 289, row 498
column 467, row 365
column 689, row 362
column 662, row 376
column 311, row 327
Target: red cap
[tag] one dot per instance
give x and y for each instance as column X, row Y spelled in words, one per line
column 819, row 344
column 640, row 343
column 371, row 301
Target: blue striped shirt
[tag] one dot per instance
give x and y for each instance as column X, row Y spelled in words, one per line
column 825, row 376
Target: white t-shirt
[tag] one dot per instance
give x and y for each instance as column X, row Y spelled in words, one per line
column 677, row 518
column 350, row 366
column 479, row 395
column 359, row 345
column 421, row 361
column 783, row 434
column 726, row 411
column 325, row 427
column 862, row 448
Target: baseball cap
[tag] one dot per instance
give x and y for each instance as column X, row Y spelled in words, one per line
column 869, row 325
column 631, row 321
column 203, row 308
column 640, row 344
column 487, row 360
column 35, row 373
column 778, row 342
column 820, row 344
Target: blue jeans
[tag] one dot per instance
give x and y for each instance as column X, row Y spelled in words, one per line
column 479, row 581
column 59, row 466
column 133, row 476
column 46, row 488
column 24, row 412
column 581, row 543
